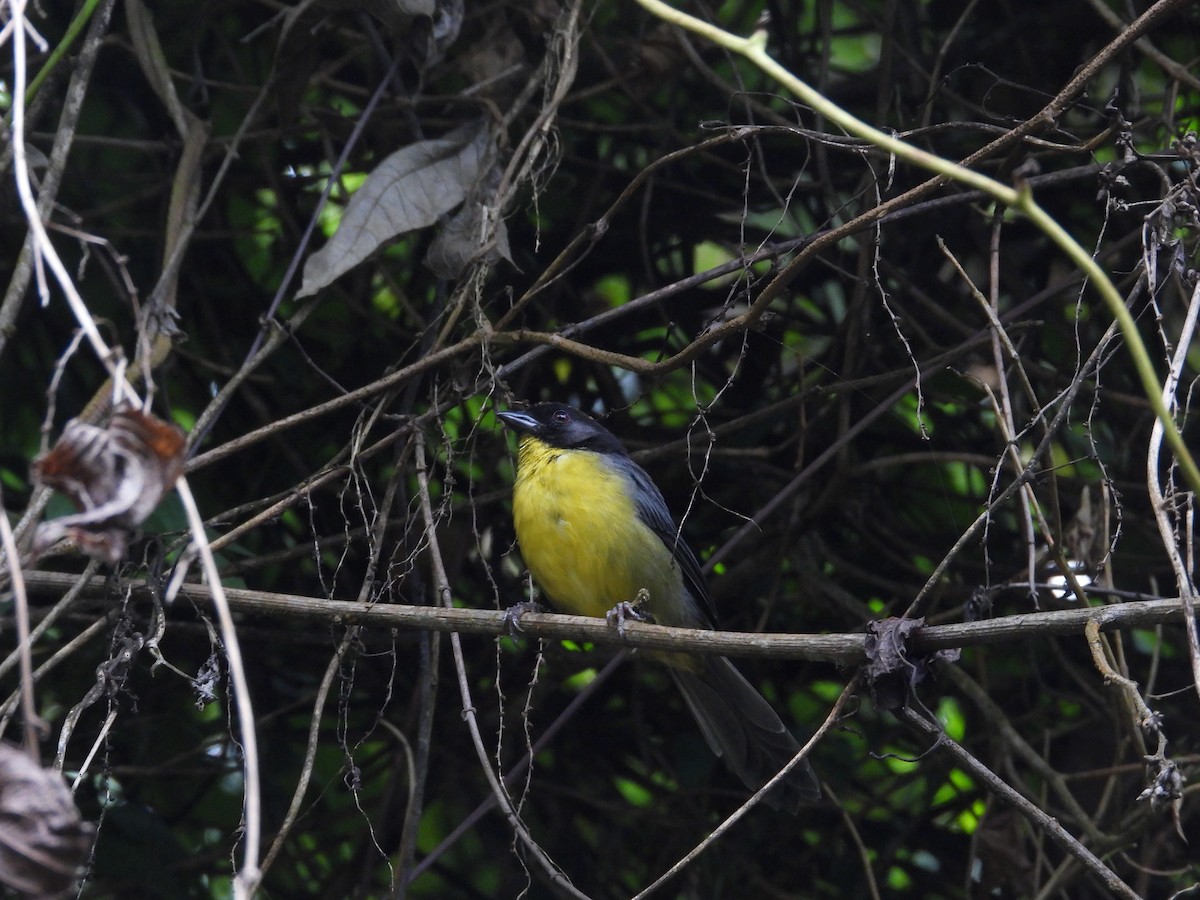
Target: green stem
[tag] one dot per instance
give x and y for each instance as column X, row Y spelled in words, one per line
column 60, row 51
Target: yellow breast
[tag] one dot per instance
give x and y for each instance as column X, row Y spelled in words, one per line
column 581, row 538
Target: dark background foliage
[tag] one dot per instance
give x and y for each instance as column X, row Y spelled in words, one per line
column 865, row 410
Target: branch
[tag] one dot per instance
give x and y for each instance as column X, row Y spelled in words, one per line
column 33, row 722
column 1042, row 820
column 1019, row 197
column 1160, row 506
column 843, row 649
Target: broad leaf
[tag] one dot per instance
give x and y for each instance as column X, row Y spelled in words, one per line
column 410, row 189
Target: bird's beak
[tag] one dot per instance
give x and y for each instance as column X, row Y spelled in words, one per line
column 519, row 421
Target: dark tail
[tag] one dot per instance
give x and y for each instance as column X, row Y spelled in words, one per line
column 740, row 726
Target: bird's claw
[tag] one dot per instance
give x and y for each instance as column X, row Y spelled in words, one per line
column 625, row 612
column 512, row 616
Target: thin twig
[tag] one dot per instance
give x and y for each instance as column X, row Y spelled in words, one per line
column 557, row 879
column 64, row 134
column 33, row 723
column 310, row 756
column 577, row 703
column 1158, row 502
column 43, row 249
column 998, row 721
column 249, row 875
column 53, row 615
column 63, row 653
column 1044, row 822
column 751, row 802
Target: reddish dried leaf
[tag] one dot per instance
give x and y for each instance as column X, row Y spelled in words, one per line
column 115, row 476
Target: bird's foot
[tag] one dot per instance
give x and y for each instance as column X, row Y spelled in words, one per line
column 629, row 612
column 512, row 615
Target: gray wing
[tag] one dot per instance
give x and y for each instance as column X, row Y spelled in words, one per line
column 652, row 509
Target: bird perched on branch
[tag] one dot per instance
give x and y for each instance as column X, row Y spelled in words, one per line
column 600, row 541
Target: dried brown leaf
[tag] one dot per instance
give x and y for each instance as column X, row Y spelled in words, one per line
column 891, row 670
column 43, row 840
column 115, row 476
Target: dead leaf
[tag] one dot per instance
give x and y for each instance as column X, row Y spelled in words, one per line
column 411, row 189
column 115, row 476
column 891, row 671
column 1165, row 792
column 43, row 840
column 466, row 235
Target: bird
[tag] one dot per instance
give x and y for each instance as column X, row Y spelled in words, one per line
column 599, row 540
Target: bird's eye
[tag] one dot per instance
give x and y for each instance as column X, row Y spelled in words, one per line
column 561, row 417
